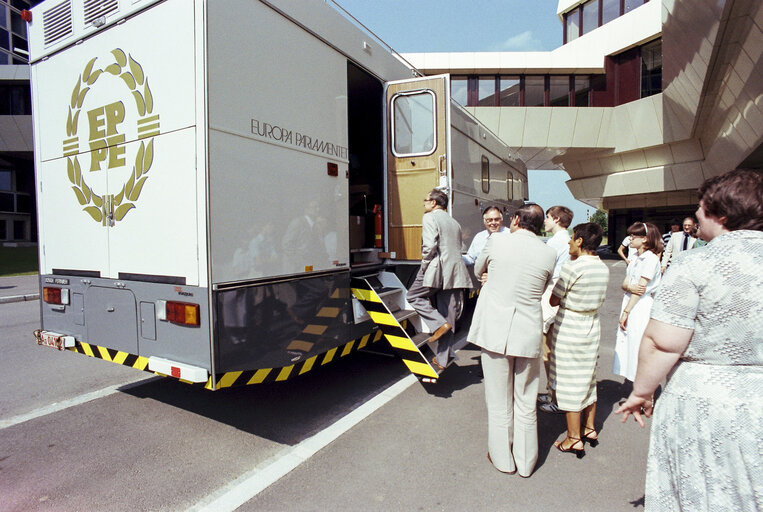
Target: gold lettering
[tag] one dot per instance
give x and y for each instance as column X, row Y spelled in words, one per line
column 115, row 114
column 116, row 153
column 98, row 155
column 96, row 123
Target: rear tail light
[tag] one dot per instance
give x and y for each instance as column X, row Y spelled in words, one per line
column 183, row 313
column 53, row 295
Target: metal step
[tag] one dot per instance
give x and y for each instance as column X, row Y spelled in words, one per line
column 402, row 314
column 420, row 338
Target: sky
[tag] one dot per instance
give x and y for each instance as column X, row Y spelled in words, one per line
column 410, row 26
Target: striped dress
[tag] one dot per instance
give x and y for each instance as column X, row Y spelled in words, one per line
column 582, row 286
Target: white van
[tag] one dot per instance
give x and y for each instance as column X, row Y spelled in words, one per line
column 213, row 177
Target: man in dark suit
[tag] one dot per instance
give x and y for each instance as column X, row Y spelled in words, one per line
column 442, row 275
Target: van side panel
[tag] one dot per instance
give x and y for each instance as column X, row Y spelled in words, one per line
column 277, row 147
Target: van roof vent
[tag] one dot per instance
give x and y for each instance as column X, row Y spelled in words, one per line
column 57, row 22
column 95, row 9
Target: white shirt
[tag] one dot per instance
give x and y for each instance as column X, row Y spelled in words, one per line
column 560, row 242
column 645, row 265
column 480, row 239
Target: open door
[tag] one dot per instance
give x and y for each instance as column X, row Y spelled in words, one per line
column 418, row 143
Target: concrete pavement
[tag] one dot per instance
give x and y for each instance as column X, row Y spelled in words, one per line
column 19, row 288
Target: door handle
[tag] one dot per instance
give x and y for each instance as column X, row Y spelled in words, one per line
column 441, row 165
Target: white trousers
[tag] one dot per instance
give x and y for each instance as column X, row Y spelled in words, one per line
column 511, row 389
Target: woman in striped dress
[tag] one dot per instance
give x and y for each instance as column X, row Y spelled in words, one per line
column 579, row 292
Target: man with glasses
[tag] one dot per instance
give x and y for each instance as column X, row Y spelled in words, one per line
column 493, row 220
column 442, row 275
column 681, row 241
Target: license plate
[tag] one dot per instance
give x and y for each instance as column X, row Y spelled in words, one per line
column 55, row 340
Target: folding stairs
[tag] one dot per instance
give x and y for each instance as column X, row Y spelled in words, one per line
column 383, row 297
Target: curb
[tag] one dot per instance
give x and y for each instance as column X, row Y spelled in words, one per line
column 19, row 298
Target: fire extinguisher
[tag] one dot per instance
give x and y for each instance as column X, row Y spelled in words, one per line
column 377, row 225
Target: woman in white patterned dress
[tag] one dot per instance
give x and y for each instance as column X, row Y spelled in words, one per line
column 579, row 293
column 641, row 281
column 706, row 334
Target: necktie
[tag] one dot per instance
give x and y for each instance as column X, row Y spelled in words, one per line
column 686, row 241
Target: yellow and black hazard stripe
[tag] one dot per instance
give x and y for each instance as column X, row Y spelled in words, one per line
column 264, row 375
column 238, row 378
column 111, row 355
column 398, row 338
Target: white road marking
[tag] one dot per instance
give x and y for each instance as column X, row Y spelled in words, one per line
column 251, row 483
column 77, row 400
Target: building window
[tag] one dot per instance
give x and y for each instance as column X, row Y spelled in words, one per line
column 535, row 93
column 610, row 9
column 459, row 89
column 6, row 180
column 413, row 123
column 651, row 69
column 15, row 100
column 3, row 229
column 559, row 91
column 485, row 175
column 509, row 186
column 509, row 91
column 572, row 25
column 590, row 16
column 629, row 5
column 594, row 14
column 6, row 202
column 19, row 230
column 486, row 92
column 582, row 91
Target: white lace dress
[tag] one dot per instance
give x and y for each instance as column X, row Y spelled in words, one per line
column 706, row 448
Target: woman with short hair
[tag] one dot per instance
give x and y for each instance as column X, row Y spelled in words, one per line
column 706, row 334
column 579, row 293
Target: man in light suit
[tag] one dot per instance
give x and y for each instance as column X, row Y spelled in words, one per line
column 508, row 325
column 681, row 241
column 442, row 275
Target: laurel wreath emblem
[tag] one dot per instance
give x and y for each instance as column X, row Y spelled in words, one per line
column 98, row 206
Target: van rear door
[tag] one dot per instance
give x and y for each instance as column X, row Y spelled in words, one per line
column 418, row 158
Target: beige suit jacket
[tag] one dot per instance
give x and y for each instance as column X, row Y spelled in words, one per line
column 508, row 318
column 674, row 246
column 441, row 252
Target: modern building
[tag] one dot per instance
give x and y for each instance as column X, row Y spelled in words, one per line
column 17, row 190
column 643, row 101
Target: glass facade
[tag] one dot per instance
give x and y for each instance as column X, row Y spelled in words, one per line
column 559, row 91
column 486, row 91
column 509, row 91
column 534, row 91
column 13, row 37
column 590, row 16
column 651, row 69
column 618, row 86
column 459, row 87
column 593, row 14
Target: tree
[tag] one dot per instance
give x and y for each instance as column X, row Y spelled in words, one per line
column 600, row 218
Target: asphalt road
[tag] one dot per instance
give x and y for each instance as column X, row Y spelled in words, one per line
column 359, row 434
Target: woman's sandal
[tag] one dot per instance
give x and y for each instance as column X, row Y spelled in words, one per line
column 579, row 452
column 593, row 441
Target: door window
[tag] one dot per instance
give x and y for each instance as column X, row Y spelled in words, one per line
column 413, row 120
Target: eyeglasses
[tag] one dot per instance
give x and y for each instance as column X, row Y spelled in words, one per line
column 495, row 219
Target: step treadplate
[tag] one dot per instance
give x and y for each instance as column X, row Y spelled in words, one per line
column 416, row 355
